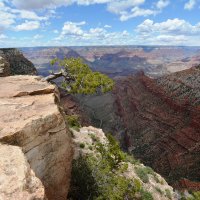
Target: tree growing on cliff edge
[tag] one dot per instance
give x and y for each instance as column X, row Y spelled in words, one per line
column 79, row 78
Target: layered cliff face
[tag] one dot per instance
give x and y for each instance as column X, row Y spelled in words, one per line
column 35, row 143
column 12, row 62
column 162, row 119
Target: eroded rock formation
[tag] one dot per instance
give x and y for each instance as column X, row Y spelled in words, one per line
column 12, row 62
column 31, row 119
column 162, row 118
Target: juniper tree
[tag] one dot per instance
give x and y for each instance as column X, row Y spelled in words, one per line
column 79, row 78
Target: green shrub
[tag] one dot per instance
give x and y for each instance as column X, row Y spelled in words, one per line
column 159, row 190
column 97, row 177
column 142, row 173
column 82, row 145
column 90, row 147
column 168, row 194
column 195, row 196
column 145, row 195
column 137, row 185
column 94, row 137
column 73, row 121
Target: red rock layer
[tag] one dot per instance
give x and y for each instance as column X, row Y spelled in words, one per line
column 162, row 118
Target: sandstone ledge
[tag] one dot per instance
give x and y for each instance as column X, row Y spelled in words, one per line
column 31, row 119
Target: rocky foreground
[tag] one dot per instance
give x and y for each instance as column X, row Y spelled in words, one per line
column 35, row 144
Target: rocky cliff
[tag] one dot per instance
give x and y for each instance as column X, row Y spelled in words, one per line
column 85, row 142
column 162, row 118
column 35, row 145
column 155, row 119
column 12, row 62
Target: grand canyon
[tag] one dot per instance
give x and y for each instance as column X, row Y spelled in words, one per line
column 154, row 108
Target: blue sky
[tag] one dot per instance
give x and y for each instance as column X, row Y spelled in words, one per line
column 99, row 22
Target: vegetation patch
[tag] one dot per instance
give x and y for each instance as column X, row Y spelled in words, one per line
column 100, row 177
column 194, row 196
column 73, row 122
column 168, row 194
column 82, row 145
column 145, row 195
column 159, row 190
column 142, row 172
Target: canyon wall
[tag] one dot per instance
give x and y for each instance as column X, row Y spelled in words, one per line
column 162, row 118
column 12, row 62
column 157, row 120
column 34, row 140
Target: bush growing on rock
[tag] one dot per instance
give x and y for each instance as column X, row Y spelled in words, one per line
column 100, row 177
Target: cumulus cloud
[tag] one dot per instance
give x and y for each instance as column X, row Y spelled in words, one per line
column 24, row 14
column 74, row 32
column 10, row 17
column 126, row 9
column 120, row 6
column 172, row 26
column 27, row 26
column 107, row 26
column 7, row 19
column 72, row 28
column 45, row 4
column 162, row 4
column 172, row 31
column 42, row 4
column 37, row 36
column 136, row 12
column 2, row 37
column 190, row 4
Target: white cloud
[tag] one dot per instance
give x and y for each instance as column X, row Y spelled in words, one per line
column 119, row 6
column 171, row 26
column 190, row 5
column 41, row 4
column 27, row 26
column 73, row 33
column 136, row 12
column 7, row 19
column 107, row 26
column 2, row 37
column 37, row 36
column 10, row 17
column 169, row 32
column 126, row 9
column 162, row 4
column 24, row 14
column 72, row 28
column 45, row 4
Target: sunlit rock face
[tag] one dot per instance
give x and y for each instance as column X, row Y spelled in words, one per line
column 32, row 121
